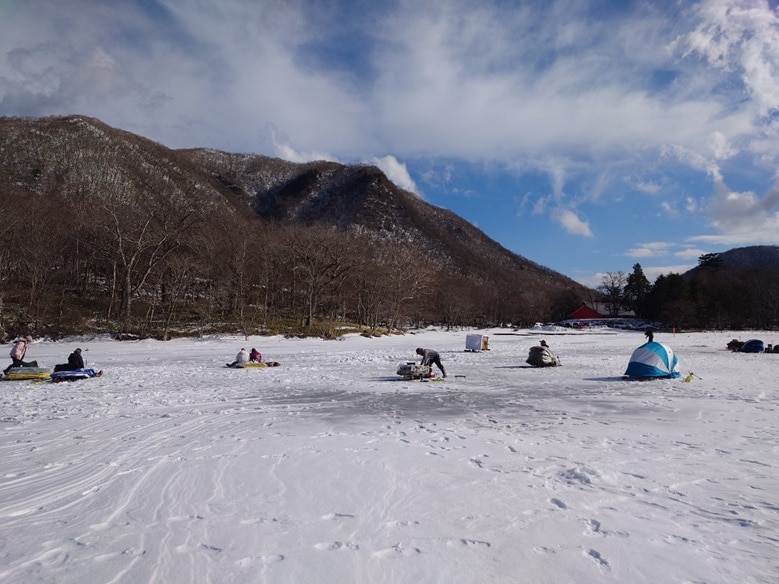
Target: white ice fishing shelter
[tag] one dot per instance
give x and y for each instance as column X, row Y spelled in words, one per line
column 477, row 343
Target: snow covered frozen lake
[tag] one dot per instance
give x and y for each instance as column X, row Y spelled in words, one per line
column 171, row 468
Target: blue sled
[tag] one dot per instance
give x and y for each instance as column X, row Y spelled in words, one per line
column 75, row 374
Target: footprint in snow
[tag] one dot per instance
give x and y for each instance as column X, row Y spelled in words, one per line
column 397, row 551
column 468, row 543
column 595, row 555
column 250, row 561
column 333, row 516
column 399, row 523
column 582, row 475
column 594, row 526
column 544, row 550
column 337, row 545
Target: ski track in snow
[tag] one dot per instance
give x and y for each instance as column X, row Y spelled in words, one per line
column 330, row 468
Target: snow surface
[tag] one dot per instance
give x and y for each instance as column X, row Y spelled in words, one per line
column 330, row 468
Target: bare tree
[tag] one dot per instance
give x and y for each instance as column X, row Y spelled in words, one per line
column 612, row 286
column 137, row 234
column 321, row 259
column 406, row 278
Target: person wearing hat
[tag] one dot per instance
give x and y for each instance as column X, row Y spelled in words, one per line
column 429, row 357
column 241, row 359
column 17, row 354
column 75, row 361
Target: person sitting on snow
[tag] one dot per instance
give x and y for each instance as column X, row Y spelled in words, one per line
column 75, row 361
column 429, row 357
column 542, row 356
column 242, row 358
column 17, row 354
column 649, row 334
column 255, row 356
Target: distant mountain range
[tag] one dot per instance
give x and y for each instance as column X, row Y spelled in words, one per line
column 73, row 155
column 756, row 257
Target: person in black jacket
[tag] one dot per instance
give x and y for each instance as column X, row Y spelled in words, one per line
column 429, row 357
column 75, row 361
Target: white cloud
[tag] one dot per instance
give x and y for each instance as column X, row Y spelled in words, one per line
column 649, row 188
column 439, row 177
column 686, row 156
column 741, row 37
column 767, row 235
column 720, row 146
column 743, row 216
column 650, row 250
column 653, row 272
column 691, row 253
column 480, row 81
column 287, row 152
column 589, row 280
column 571, row 222
column 396, row 172
column 669, row 209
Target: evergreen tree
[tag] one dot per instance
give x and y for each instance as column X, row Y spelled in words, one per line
column 668, row 300
column 637, row 287
column 710, row 260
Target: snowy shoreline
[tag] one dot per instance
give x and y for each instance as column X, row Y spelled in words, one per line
column 331, row 468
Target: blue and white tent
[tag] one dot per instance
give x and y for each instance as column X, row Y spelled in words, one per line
column 653, row 360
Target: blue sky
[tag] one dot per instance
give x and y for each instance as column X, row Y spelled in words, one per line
column 586, row 136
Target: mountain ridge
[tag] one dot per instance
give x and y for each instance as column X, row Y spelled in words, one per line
column 752, row 257
column 136, row 219
column 361, row 198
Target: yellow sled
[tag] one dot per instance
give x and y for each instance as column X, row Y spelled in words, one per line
column 260, row 365
column 26, row 373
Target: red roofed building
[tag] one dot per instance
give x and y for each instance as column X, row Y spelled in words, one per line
column 584, row 312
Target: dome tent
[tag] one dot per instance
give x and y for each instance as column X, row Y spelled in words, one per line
column 752, row 346
column 653, row 361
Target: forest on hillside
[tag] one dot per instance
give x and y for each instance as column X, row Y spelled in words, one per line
column 159, row 269
column 714, row 295
column 162, row 270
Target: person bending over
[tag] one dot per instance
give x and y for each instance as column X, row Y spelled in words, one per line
column 430, row 357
